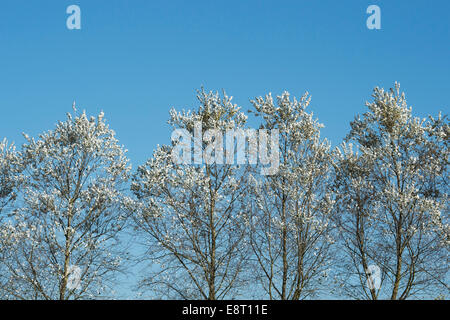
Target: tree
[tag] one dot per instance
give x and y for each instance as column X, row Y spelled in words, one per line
column 62, row 242
column 10, row 175
column 393, row 203
column 290, row 220
column 10, row 181
column 190, row 215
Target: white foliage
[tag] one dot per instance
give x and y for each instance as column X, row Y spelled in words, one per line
column 292, row 236
column 393, row 195
column 69, row 212
column 192, row 213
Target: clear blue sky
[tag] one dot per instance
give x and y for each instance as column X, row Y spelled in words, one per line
column 137, row 59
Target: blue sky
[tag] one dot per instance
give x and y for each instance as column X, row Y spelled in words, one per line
column 137, row 59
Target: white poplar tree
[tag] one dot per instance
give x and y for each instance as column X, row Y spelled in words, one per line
column 393, row 207
column 62, row 241
column 290, row 217
column 10, row 175
column 190, row 215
